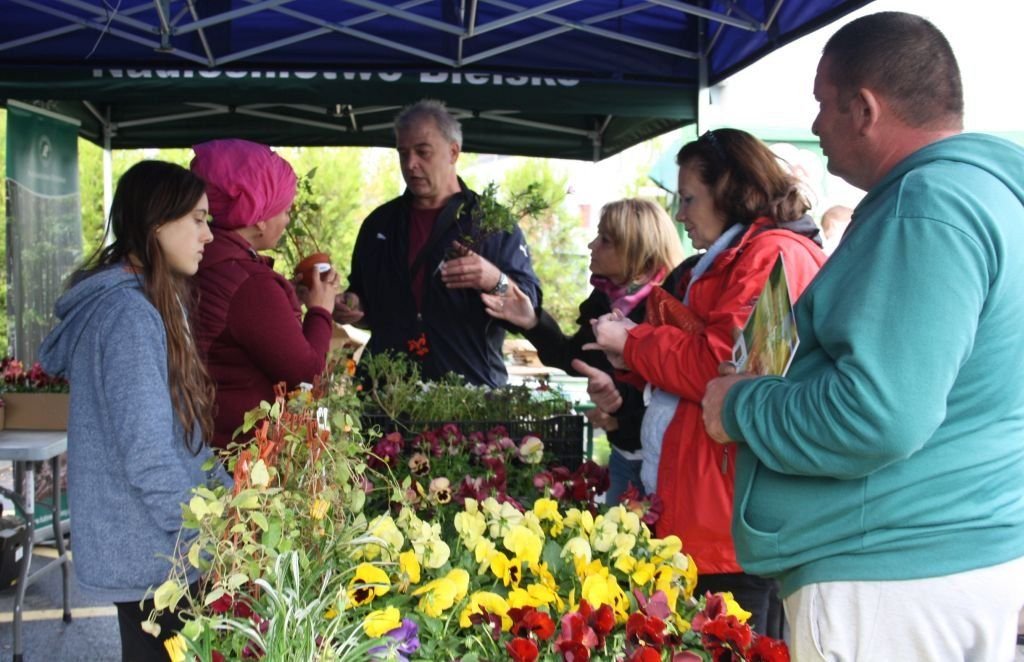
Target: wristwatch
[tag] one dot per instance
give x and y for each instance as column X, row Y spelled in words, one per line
column 502, row 286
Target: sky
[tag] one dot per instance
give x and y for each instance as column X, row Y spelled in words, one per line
column 985, row 35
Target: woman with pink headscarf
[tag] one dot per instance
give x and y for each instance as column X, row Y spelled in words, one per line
column 249, row 326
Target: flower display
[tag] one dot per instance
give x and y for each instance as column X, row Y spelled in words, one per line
column 304, row 562
column 16, row 379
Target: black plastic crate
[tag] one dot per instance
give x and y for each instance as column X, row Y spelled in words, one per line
column 563, row 435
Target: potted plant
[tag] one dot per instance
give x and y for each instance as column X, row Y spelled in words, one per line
column 299, row 250
column 33, row 400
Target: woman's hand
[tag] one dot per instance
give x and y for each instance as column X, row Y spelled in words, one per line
column 513, row 306
column 610, row 333
column 600, row 387
column 325, row 288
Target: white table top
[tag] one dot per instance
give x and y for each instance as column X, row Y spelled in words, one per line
column 32, row 445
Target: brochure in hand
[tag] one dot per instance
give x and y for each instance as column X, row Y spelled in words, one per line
column 769, row 338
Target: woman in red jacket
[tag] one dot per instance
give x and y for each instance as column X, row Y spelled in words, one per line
column 249, row 328
column 742, row 209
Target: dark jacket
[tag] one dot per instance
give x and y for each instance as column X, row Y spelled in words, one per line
column 460, row 336
column 250, row 330
column 558, row 350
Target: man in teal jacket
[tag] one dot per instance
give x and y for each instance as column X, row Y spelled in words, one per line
column 882, row 480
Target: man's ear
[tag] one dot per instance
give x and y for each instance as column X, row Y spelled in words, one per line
column 454, row 150
column 866, row 107
column 261, row 226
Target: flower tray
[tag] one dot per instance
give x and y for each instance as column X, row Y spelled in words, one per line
column 563, row 434
column 35, row 411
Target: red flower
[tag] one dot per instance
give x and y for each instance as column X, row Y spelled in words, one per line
column 527, row 620
column 644, row 654
column 714, row 606
column 419, row 346
column 222, row 604
column 217, row 656
column 643, row 630
column 656, row 605
column 766, row 649
column 573, row 651
column 521, row 649
column 575, row 630
column 726, row 633
column 601, row 620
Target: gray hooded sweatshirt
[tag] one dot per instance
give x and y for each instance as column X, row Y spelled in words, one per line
column 128, row 468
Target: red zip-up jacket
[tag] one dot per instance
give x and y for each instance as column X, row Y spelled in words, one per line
column 250, row 330
column 695, row 474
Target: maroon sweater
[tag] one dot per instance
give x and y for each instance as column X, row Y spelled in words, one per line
column 250, row 330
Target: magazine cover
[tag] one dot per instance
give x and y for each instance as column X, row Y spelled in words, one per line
column 769, row 339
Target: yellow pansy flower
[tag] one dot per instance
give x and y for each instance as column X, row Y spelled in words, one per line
column 409, row 566
column 438, row 596
column 390, row 539
column 520, row 597
column 482, row 553
column 581, row 520
column 547, row 580
column 602, row 537
column 547, row 510
column 524, row 544
column 662, row 549
column 368, row 583
column 381, row 621
column 482, row 601
column 509, row 571
column 623, row 543
column 318, row 509
column 642, row 572
column 603, row 589
column 176, row 648
column 625, row 520
column 531, row 523
column 470, row 526
column 733, row 608
column 578, row 549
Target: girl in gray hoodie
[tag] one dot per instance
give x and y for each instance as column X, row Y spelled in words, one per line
column 141, row 400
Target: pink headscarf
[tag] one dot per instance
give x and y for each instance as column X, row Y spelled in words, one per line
column 246, row 182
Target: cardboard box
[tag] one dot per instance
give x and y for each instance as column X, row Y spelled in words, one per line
column 35, row 411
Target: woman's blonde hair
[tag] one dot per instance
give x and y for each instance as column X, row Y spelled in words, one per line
column 643, row 234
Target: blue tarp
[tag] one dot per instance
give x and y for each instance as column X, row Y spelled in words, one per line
column 564, row 78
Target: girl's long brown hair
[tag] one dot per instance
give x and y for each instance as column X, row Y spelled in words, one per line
column 148, row 195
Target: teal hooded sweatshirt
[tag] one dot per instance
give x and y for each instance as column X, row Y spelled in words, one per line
column 894, row 448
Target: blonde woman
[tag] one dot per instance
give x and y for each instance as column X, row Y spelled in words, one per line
column 635, row 248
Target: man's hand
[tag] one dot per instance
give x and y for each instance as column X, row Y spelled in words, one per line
column 600, row 419
column 513, row 306
column 348, row 309
column 714, row 397
column 600, row 387
column 470, row 271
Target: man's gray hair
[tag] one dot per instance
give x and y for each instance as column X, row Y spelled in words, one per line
column 435, row 110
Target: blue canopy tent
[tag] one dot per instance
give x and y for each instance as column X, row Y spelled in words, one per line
column 580, row 79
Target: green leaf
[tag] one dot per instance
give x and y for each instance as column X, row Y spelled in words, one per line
column 167, row 594
column 213, row 596
column 260, row 519
column 237, row 580
column 246, row 500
